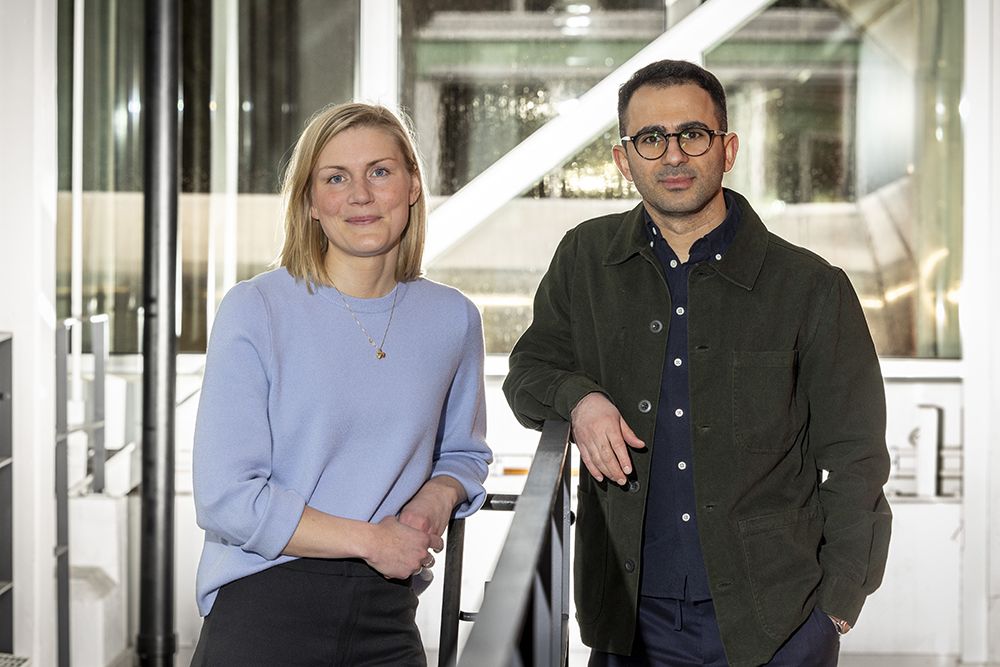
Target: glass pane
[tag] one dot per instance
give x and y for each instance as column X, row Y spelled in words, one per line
column 483, row 77
column 110, row 211
column 295, row 57
column 479, row 77
column 847, row 112
column 850, row 145
column 292, row 57
column 500, row 264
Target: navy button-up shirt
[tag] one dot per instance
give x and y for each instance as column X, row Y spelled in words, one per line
column 672, row 562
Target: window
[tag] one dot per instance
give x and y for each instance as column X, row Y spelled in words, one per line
column 239, row 118
column 850, row 146
column 847, row 111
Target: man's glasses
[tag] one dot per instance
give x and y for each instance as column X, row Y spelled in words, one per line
column 693, row 142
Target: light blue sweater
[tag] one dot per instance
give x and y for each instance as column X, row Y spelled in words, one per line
column 295, row 409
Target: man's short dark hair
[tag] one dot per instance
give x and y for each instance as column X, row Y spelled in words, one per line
column 667, row 73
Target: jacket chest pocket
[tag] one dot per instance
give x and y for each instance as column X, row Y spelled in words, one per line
column 765, row 416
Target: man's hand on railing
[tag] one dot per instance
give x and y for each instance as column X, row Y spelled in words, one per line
column 603, row 437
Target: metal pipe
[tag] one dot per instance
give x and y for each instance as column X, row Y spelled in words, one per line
column 6, row 494
column 63, row 333
column 451, row 598
column 502, row 502
column 99, row 349
column 156, row 643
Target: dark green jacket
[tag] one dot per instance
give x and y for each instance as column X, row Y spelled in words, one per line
column 785, row 384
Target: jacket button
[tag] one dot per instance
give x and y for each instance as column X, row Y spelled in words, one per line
column 656, row 326
column 633, row 486
column 645, row 406
column 629, row 566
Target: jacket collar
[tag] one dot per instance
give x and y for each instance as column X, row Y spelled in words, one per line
column 740, row 265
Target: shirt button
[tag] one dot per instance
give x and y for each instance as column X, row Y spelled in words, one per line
column 645, row 406
column 677, row 361
column 682, row 465
column 680, row 310
column 679, row 412
column 685, row 517
column 656, row 326
column 673, row 264
column 718, row 257
column 629, row 565
column 650, row 244
column 633, row 486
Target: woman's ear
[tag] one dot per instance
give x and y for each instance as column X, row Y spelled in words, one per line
column 415, row 189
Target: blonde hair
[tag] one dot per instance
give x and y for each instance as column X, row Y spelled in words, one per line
column 305, row 243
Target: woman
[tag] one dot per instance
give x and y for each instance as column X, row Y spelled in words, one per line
column 342, row 416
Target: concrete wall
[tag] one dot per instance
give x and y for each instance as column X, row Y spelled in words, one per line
column 27, row 306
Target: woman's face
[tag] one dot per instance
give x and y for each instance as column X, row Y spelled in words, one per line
column 361, row 194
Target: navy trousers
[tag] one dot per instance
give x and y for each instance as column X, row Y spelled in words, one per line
column 674, row 633
column 312, row 612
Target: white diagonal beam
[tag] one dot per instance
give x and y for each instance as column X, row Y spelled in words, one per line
column 378, row 66
column 560, row 138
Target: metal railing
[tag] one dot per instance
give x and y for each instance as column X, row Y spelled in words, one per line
column 6, row 494
column 524, row 618
column 93, row 423
column 96, row 458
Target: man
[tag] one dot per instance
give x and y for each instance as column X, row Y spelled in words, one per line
column 714, row 376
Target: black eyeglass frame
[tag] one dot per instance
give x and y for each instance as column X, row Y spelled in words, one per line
column 712, row 134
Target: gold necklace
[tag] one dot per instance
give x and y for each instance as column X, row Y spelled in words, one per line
column 379, row 354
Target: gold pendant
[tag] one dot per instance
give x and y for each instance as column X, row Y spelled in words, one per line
column 379, row 354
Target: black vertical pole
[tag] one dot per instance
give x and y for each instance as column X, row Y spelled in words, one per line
column 156, row 642
column 62, row 493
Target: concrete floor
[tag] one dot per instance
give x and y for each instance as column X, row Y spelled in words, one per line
column 579, row 657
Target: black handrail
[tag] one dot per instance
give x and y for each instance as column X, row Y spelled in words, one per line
column 524, row 618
